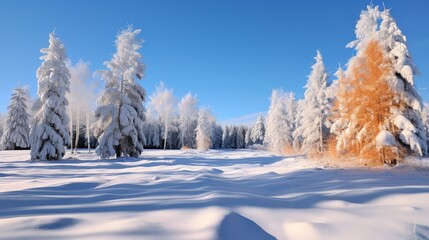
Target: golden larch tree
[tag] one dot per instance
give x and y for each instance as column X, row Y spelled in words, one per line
column 364, row 104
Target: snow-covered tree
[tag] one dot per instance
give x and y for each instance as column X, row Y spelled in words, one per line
column 174, row 134
column 381, row 26
column 366, row 26
column 204, row 129
column 2, row 123
column 365, row 101
column 120, row 112
column 49, row 133
column 395, row 45
column 107, row 120
column 225, row 137
column 152, row 133
column 162, row 104
column 89, row 117
column 241, row 137
column 292, row 110
column 331, row 90
column 248, row 138
column 331, row 95
column 278, row 134
column 258, row 131
column 17, row 126
column 232, row 137
column 425, row 118
column 297, row 137
column 312, row 127
column 217, row 136
column 188, row 116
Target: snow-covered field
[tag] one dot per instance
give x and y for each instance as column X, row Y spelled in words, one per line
column 211, row 195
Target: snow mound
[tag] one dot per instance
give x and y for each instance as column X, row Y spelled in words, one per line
column 234, row 226
column 215, row 171
column 59, row 223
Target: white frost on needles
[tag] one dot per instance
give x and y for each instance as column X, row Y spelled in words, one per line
column 258, row 131
column 314, row 110
column 49, row 132
column 278, row 135
column 17, row 127
column 120, row 112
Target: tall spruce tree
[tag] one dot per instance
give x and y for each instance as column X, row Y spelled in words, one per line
column 17, row 125
column 312, row 127
column 49, row 133
column 395, row 44
column 120, row 112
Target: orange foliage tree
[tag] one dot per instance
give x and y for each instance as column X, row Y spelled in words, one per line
column 363, row 107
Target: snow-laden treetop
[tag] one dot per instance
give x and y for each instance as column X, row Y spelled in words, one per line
column 125, row 63
column 380, row 25
column 54, row 60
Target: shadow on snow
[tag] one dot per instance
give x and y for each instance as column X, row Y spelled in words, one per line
column 203, row 188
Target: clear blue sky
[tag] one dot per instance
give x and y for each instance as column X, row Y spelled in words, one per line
column 230, row 53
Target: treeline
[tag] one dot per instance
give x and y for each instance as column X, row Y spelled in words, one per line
column 223, row 137
column 370, row 111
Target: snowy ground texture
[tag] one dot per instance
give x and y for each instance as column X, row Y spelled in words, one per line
column 213, row 195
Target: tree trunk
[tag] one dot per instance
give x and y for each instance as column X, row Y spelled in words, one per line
column 71, row 129
column 165, row 134
column 87, row 132
column 321, row 133
column 118, row 150
column 77, row 130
